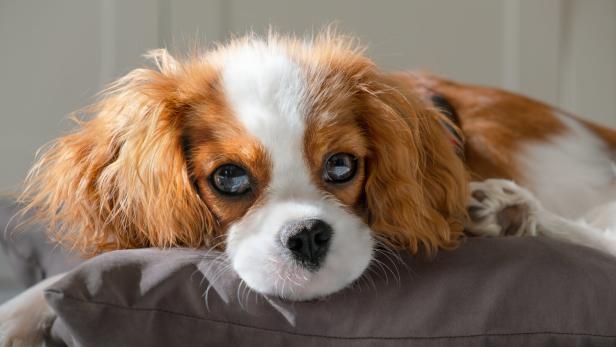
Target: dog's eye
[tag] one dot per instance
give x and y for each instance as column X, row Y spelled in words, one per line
column 340, row 168
column 231, row 179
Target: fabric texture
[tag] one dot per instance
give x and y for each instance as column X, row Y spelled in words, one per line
column 32, row 256
column 498, row 292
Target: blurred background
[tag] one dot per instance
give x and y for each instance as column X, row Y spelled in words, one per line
column 56, row 55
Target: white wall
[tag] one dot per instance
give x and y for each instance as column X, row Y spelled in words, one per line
column 55, row 55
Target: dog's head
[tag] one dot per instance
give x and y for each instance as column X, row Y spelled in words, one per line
column 294, row 156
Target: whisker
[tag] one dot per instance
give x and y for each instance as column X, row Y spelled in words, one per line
column 224, row 265
column 239, row 293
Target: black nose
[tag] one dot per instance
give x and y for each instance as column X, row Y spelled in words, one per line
column 308, row 240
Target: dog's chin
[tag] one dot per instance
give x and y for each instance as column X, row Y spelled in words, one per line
column 294, row 282
column 277, row 275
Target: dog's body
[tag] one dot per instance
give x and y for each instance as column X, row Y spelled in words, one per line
column 304, row 153
column 565, row 165
column 569, row 164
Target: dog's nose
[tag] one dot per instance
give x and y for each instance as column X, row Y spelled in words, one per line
column 308, row 240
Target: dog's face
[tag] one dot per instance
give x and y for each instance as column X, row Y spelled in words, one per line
column 294, row 157
column 283, row 171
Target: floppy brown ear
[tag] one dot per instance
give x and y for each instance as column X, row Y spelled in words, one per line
column 416, row 186
column 121, row 180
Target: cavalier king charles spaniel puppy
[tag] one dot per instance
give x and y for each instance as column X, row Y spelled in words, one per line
column 297, row 158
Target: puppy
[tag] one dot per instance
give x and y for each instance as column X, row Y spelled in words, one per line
column 298, row 158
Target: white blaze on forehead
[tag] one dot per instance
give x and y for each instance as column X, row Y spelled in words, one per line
column 266, row 91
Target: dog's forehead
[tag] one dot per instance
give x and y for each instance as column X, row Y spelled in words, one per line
column 266, row 91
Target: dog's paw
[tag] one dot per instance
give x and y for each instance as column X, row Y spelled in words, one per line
column 21, row 326
column 499, row 207
column 11, row 336
column 25, row 319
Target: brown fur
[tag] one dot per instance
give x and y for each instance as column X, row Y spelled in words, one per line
column 416, row 189
column 493, row 122
column 120, row 180
column 214, row 137
column 496, row 122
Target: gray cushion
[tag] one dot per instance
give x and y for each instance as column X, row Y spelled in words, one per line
column 30, row 253
column 508, row 291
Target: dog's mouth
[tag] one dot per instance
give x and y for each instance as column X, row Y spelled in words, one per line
column 274, row 270
column 296, row 282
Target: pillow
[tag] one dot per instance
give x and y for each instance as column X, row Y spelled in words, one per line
column 506, row 291
column 29, row 252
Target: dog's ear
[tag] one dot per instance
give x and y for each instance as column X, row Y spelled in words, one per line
column 416, row 187
column 121, row 179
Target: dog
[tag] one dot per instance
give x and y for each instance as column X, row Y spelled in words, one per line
column 299, row 157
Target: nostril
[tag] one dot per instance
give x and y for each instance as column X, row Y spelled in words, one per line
column 322, row 237
column 308, row 240
column 294, row 244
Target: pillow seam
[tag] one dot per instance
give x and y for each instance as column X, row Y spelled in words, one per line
column 242, row 325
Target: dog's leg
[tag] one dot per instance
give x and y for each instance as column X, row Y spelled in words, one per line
column 582, row 232
column 25, row 319
column 501, row 207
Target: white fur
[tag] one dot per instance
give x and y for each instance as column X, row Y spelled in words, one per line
column 267, row 92
column 25, row 319
column 571, row 173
